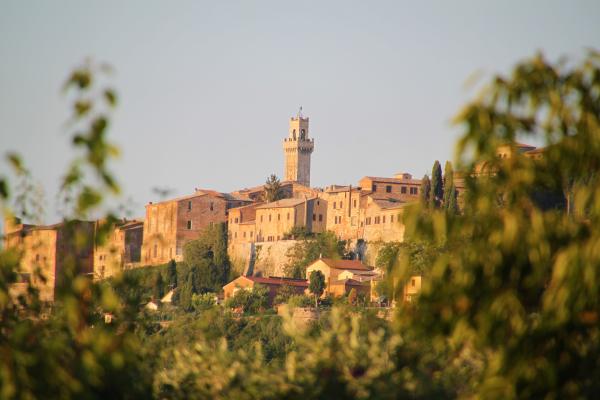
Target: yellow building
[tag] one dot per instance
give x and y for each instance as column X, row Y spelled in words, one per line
column 47, row 250
column 121, row 250
column 274, row 221
column 337, row 274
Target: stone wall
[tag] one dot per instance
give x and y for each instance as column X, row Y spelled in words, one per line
column 270, row 257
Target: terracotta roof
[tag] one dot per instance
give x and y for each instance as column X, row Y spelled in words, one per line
column 276, row 280
column 345, row 264
column 282, row 203
column 388, row 204
column 393, row 180
column 351, row 282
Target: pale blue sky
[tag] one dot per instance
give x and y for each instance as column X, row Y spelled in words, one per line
column 207, row 88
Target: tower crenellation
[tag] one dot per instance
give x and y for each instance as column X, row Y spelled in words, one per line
column 298, row 147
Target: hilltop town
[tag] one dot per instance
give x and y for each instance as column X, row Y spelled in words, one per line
column 262, row 224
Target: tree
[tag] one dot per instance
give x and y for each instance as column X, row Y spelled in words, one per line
column 208, row 254
column 452, row 201
column 520, row 288
column 251, row 301
column 159, row 290
column 316, row 285
column 172, row 274
column 448, row 184
column 273, row 190
column 304, row 252
column 437, row 189
column 425, row 194
column 189, row 288
column 284, row 293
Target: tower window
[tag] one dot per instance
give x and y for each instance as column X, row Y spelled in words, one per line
column 189, row 224
column 320, row 217
column 302, row 134
column 189, row 205
column 211, row 206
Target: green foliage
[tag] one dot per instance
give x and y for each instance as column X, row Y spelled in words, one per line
column 68, row 351
column 345, row 360
column 306, row 251
column 316, row 285
column 190, row 287
column 273, row 190
column 437, row 189
column 520, row 289
column 450, row 195
column 203, row 301
column 283, row 294
column 172, row 274
column 425, row 193
column 208, row 255
column 250, row 301
column 159, row 289
column 299, row 300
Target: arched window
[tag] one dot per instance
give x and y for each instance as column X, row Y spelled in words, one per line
column 302, row 134
column 294, row 134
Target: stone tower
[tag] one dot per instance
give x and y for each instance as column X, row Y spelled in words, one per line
column 297, row 148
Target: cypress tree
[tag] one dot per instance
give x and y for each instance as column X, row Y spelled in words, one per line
column 172, row 274
column 425, row 191
column 449, row 189
column 452, row 206
column 437, row 189
column 159, row 290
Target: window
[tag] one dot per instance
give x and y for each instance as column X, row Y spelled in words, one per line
column 288, row 216
column 374, row 188
column 189, row 224
column 211, row 206
column 236, row 220
column 189, row 205
column 341, row 204
column 269, row 217
column 278, row 217
column 251, row 233
column 414, row 190
column 320, row 217
column 354, row 203
column 235, row 235
column 403, row 190
column 383, row 219
column 244, row 235
column 314, row 217
column 334, row 203
column 391, row 219
column 261, row 218
column 413, row 282
column 388, row 189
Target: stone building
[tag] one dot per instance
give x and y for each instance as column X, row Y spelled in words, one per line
column 344, row 205
column 121, row 250
column 297, row 148
column 274, row 221
column 336, row 283
column 402, row 185
column 381, row 218
column 274, row 284
column 48, row 250
column 172, row 223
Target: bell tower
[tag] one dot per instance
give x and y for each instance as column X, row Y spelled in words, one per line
column 297, row 148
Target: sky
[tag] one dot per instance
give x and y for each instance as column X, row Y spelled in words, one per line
column 206, row 89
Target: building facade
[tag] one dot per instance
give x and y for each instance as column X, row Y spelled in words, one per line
column 170, row 224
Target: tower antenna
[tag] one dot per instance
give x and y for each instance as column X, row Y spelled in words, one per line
column 300, row 112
